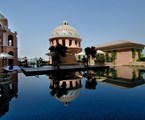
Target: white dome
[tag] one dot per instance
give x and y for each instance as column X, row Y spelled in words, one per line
column 65, row 30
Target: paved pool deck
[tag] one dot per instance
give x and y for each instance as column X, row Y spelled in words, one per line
column 66, row 68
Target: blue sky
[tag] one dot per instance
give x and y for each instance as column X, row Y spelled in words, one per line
column 97, row 21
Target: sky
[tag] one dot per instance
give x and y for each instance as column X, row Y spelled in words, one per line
column 97, row 22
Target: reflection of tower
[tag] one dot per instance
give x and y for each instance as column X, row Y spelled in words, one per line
column 8, row 90
column 67, row 89
column 68, row 36
column 8, row 41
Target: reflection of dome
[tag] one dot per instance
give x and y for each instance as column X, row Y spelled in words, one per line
column 2, row 17
column 70, row 96
column 65, row 30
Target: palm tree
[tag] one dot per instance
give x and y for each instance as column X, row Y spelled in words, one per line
column 93, row 52
column 25, row 61
column 87, row 52
column 85, row 61
column 56, row 52
column 61, row 50
column 90, row 53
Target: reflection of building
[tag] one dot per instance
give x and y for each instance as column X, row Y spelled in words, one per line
column 8, row 90
column 125, row 51
column 67, row 89
column 68, row 36
column 124, row 76
column 8, row 42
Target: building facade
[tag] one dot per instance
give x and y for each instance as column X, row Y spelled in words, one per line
column 8, row 43
column 122, row 51
column 67, row 36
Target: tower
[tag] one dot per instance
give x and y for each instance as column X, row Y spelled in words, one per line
column 67, row 36
column 8, row 42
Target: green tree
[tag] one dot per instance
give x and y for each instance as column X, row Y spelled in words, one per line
column 133, row 53
column 56, row 52
column 100, row 58
column 90, row 51
column 113, row 56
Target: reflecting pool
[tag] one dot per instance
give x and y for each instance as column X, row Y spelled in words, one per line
column 117, row 93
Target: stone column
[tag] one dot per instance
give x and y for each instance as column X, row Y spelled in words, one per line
column 5, row 40
column 67, row 42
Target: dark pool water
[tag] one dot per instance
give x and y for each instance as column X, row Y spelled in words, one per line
column 39, row 98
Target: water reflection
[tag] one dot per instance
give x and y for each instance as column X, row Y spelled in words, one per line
column 75, row 89
column 65, row 87
column 8, row 90
column 91, row 80
column 121, row 76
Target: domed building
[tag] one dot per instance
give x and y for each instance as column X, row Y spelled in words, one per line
column 67, row 36
column 8, row 43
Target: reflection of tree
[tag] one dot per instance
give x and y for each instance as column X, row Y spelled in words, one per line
column 139, row 76
column 133, row 75
column 100, row 73
column 91, row 84
column 108, row 73
column 58, row 90
column 114, row 73
column 141, row 73
column 91, row 81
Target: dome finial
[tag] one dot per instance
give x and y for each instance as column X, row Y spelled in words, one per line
column 65, row 22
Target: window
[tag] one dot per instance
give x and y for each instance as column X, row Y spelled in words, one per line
column 10, row 40
column 76, row 43
column 70, row 42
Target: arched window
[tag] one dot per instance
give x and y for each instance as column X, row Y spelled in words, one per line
column 10, row 40
column 11, row 53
